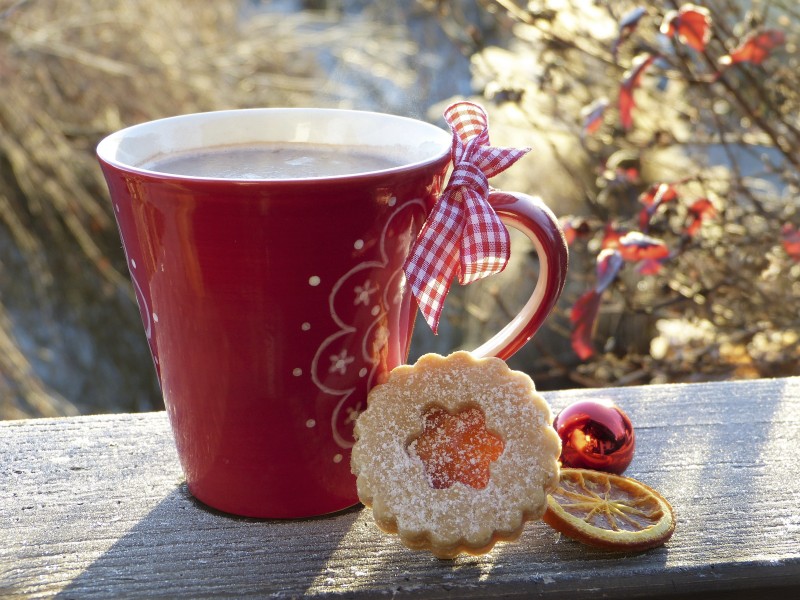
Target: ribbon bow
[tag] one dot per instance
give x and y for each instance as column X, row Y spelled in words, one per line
column 463, row 234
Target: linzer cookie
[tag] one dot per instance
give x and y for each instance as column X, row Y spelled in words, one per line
column 455, row 454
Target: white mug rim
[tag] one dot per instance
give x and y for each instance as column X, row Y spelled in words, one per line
column 129, row 148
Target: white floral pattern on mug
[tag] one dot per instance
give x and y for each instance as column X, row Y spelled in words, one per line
column 349, row 362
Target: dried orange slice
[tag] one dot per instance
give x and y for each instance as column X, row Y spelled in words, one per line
column 609, row 511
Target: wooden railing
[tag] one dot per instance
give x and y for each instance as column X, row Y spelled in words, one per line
column 96, row 507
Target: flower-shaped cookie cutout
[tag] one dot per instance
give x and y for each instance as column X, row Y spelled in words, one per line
column 492, row 418
column 456, row 448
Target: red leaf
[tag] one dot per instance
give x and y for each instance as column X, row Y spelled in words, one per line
column 569, row 233
column 574, row 228
column 756, row 48
column 583, row 316
column 623, row 166
column 635, row 246
column 609, row 262
column 629, row 175
column 691, row 24
column 630, row 81
column 790, row 238
column 627, row 25
column 611, row 236
column 644, row 219
column 656, row 195
column 699, row 210
column 593, row 116
column 649, row 266
column 584, row 312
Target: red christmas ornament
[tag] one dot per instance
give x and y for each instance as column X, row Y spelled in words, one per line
column 595, row 434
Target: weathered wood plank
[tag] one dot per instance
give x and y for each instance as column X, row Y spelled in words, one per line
column 96, row 507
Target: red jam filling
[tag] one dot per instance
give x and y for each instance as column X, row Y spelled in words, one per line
column 456, row 448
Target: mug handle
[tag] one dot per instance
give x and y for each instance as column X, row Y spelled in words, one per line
column 532, row 217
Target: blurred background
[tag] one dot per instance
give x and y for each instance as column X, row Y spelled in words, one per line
column 665, row 137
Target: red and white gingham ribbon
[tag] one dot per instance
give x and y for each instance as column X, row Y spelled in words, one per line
column 463, row 234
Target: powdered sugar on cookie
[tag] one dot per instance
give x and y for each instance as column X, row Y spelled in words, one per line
column 489, row 416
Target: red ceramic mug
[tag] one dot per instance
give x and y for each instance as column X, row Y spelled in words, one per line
column 272, row 306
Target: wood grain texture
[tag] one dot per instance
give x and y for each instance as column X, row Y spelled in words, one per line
column 95, row 507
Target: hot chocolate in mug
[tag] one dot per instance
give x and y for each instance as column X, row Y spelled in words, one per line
column 273, row 300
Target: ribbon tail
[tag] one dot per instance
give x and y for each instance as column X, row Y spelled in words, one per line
column 463, row 235
column 485, row 242
column 434, row 259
